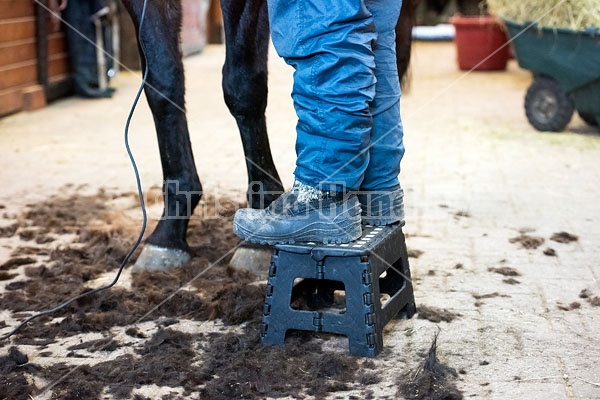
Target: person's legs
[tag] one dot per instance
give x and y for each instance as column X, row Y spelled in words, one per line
column 334, row 48
column 329, row 45
column 381, row 196
column 387, row 148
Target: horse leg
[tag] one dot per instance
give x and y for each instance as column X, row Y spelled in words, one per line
column 246, row 28
column 245, row 89
column 167, row 246
column 404, row 36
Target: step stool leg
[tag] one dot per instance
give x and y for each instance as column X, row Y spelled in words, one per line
column 364, row 344
column 361, row 321
column 271, row 331
column 278, row 314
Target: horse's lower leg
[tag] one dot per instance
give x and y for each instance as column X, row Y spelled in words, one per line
column 404, row 36
column 165, row 93
column 245, row 89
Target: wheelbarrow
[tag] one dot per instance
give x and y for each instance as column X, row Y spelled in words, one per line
column 566, row 71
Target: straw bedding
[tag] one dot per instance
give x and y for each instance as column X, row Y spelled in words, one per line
column 570, row 14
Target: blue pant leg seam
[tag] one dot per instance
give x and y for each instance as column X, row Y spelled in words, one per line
column 321, row 116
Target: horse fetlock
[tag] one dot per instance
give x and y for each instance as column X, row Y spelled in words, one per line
column 262, row 193
column 180, row 198
column 170, row 233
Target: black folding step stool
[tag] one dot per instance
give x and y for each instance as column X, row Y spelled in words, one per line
column 374, row 265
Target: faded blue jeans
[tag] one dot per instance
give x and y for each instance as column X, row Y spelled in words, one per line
column 346, row 91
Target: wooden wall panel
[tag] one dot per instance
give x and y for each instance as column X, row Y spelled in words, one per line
column 11, row 101
column 58, row 65
column 17, row 52
column 16, row 8
column 57, row 43
column 18, row 75
column 17, row 29
column 19, row 58
column 58, row 57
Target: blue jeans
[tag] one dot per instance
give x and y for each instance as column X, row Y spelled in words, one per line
column 346, row 91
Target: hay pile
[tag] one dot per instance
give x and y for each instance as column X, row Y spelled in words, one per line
column 570, row 14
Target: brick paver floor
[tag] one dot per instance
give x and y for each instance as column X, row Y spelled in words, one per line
column 476, row 175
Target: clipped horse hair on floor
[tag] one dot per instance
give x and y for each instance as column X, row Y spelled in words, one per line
column 138, row 241
column 431, row 381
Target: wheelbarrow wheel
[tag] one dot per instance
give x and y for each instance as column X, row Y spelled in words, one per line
column 589, row 119
column 547, row 105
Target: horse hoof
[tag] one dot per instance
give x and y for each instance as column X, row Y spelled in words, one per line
column 252, row 257
column 160, row 258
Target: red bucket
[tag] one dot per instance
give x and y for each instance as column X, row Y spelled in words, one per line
column 479, row 43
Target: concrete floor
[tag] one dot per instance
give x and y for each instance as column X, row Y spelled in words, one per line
column 475, row 174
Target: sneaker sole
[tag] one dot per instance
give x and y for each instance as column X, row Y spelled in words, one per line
column 381, row 222
column 316, row 232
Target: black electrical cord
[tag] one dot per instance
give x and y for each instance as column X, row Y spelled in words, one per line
column 140, row 195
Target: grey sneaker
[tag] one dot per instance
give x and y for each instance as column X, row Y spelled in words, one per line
column 383, row 207
column 303, row 214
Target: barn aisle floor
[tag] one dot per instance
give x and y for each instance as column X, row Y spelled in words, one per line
column 502, row 220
